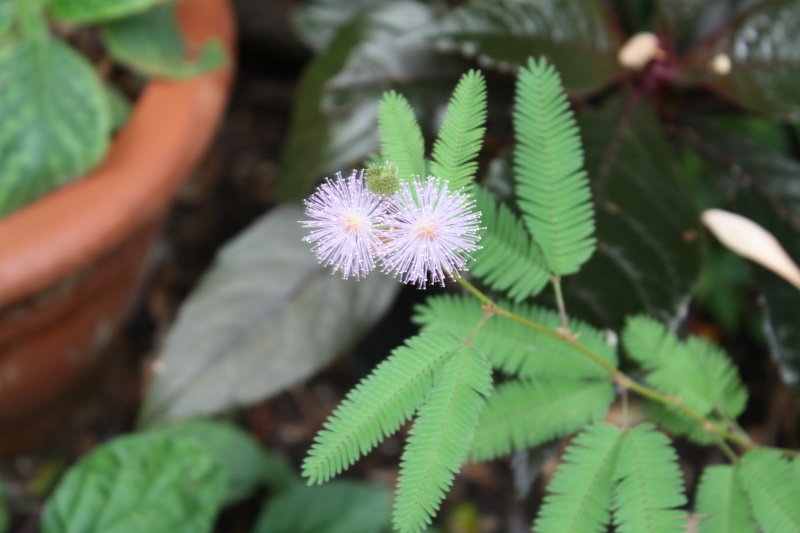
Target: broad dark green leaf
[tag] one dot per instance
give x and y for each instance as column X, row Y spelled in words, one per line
column 4, row 518
column 151, row 43
column 84, row 11
column 647, row 228
column 119, row 107
column 265, row 317
column 318, row 21
column 761, row 51
column 336, row 507
column 149, row 482
column 247, row 465
column 6, row 17
column 55, row 119
column 762, row 183
column 335, row 121
column 577, row 36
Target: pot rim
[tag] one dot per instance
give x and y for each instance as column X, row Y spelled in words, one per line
column 170, row 127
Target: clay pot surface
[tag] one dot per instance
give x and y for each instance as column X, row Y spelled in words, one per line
column 71, row 262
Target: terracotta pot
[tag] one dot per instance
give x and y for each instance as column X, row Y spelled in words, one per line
column 71, row 263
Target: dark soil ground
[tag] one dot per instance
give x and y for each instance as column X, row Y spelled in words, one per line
column 234, row 184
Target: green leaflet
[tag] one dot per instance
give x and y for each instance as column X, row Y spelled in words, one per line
column 510, row 260
column 696, row 370
column 514, row 348
column 401, row 137
column 721, row 499
column 521, row 414
column 551, row 186
column 579, row 497
column 772, row 485
column 650, row 484
column 440, row 439
column 461, row 134
column 378, row 405
column 151, row 43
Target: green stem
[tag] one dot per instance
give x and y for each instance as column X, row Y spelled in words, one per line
column 562, row 310
column 721, row 435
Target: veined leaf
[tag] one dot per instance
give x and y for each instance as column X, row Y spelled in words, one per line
column 461, row 134
column 772, row 485
column 577, row 35
column 401, row 137
column 755, row 57
column 647, row 226
column 514, row 348
column 649, row 484
column 317, row 22
column 441, row 438
column 56, row 119
column 151, row 43
column 521, row 414
column 85, row 11
column 378, row 405
column 696, row 371
column 552, row 187
column 721, row 499
column 579, row 497
column 510, row 260
column 264, row 317
column 148, row 482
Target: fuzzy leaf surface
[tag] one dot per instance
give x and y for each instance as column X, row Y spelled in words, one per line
column 461, row 134
column 722, row 500
column 649, row 484
column 772, row 485
column 510, row 260
column 151, row 43
column 264, row 317
column 401, row 137
column 337, row 507
column 578, row 36
column 551, row 185
column 379, row 404
column 578, row 499
column 56, row 119
column 522, row 414
column 90, row 11
column 146, row 482
column 762, row 46
column 440, row 439
column 514, row 348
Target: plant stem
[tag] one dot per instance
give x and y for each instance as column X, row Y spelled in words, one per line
column 721, row 435
column 562, row 310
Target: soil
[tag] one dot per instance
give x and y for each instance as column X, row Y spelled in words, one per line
column 235, row 184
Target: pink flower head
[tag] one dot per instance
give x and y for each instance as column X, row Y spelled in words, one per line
column 344, row 217
column 429, row 232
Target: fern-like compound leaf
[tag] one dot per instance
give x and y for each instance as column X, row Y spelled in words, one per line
column 772, row 485
column 696, row 370
column 379, row 404
column 522, row 414
column 461, row 135
column 579, row 497
column 677, row 422
column 440, row 439
column 649, row 484
column 514, row 348
column 401, row 136
column 722, row 502
column 510, row 260
column 551, row 185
